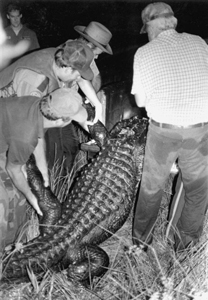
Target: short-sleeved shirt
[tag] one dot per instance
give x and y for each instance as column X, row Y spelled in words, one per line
column 26, row 82
column 27, row 72
column 172, row 70
column 24, row 34
column 21, row 124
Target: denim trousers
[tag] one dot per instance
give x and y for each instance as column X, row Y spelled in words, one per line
column 163, row 147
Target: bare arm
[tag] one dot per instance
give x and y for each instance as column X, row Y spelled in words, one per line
column 40, row 157
column 96, row 82
column 88, row 90
column 140, row 99
column 139, row 93
column 16, row 173
column 137, row 86
column 17, row 176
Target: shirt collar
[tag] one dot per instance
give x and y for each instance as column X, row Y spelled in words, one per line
column 167, row 32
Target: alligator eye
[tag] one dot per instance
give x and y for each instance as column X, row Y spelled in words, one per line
column 50, row 97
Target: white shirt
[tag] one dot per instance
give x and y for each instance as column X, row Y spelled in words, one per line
column 171, row 72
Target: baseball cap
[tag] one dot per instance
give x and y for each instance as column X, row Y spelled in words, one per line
column 79, row 56
column 154, row 11
column 65, row 103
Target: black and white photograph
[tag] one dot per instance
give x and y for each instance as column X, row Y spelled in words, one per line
column 103, row 150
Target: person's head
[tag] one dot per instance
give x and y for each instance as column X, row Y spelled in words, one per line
column 63, row 105
column 96, row 36
column 73, row 60
column 157, row 17
column 14, row 15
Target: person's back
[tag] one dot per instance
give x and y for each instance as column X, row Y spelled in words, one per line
column 168, row 83
column 24, row 76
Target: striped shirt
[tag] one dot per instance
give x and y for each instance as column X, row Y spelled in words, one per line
column 172, row 72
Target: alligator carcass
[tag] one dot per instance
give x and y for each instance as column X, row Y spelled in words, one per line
column 98, row 205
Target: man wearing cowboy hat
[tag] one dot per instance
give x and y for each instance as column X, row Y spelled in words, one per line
column 97, row 37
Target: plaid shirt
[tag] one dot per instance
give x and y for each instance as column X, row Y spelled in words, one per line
column 172, row 72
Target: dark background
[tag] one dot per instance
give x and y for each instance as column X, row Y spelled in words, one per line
column 54, row 20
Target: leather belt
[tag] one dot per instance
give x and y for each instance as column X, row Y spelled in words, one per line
column 170, row 126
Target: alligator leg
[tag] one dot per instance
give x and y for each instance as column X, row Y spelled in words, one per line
column 85, row 262
column 48, row 202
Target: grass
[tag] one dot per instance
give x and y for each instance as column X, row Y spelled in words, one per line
column 159, row 274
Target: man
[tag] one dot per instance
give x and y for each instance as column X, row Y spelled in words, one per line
column 97, row 37
column 45, row 70
column 171, row 81
column 38, row 74
column 17, row 32
column 22, row 124
column 8, row 52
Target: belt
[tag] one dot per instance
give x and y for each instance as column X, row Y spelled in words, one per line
column 170, row 126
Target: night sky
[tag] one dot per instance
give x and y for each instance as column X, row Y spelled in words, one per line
column 53, row 21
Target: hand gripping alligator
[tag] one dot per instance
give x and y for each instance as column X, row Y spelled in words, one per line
column 98, row 205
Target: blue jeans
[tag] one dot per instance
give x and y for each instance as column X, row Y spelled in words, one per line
column 163, row 147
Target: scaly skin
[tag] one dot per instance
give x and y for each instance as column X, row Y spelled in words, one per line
column 98, row 205
column 48, row 202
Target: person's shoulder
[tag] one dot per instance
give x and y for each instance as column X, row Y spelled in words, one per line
column 195, row 40
column 28, row 99
column 191, row 36
column 28, row 30
column 40, row 54
column 142, row 50
column 8, row 29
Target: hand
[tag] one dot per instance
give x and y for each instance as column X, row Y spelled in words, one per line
column 8, row 52
column 87, row 101
column 33, row 201
column 98, row 115
column 24, row 171
column 46, row 179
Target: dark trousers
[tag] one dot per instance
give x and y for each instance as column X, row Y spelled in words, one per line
column 163, row 147
column 62, row 145
column 177, row 203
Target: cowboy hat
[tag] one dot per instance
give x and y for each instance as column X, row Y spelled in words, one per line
column 97, row 34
